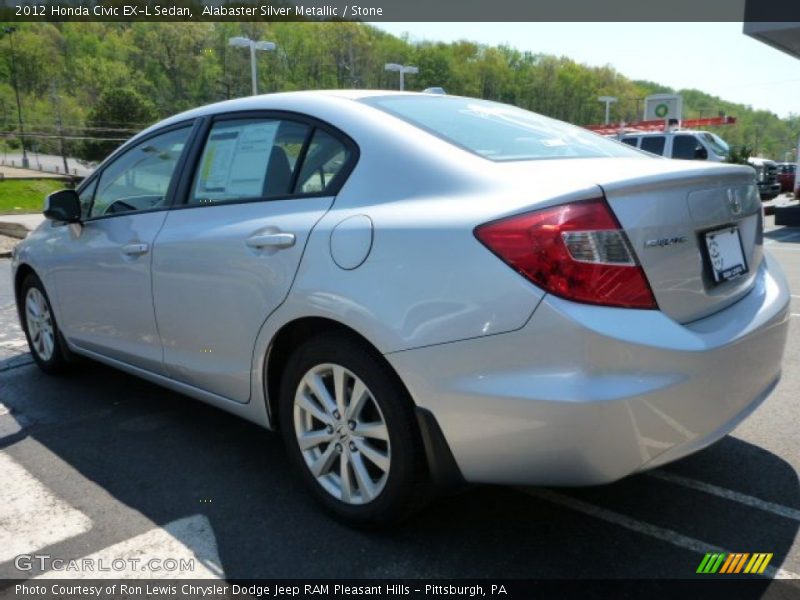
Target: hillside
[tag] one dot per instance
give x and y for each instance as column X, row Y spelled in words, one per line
column 105, row 80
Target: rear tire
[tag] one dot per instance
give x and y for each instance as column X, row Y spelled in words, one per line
column 41, row 330
column 362, row 455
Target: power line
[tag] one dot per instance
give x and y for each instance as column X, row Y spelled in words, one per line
column 66, row 137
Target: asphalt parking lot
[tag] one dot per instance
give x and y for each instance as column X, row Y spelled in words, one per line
column 101, row 464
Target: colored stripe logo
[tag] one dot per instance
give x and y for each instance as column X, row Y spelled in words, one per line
column 734, row 563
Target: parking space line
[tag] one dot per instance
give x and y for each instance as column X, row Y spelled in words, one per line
column 641, row 527
column 189, row 544
column 31, row 517
column 751, row 501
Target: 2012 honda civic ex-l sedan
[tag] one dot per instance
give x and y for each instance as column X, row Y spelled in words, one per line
column 417, row 288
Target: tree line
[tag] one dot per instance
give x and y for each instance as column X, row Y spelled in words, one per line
column 91, row 85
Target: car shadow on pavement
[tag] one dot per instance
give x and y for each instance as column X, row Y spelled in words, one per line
column 99, row 438
column 784, row 235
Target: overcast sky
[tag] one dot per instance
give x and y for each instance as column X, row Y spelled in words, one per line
column 713, row 57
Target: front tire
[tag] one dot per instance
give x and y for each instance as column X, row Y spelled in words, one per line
column 41, row 330
column 349, row 427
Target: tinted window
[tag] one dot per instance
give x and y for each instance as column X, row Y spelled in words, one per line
column 654, row 144
column 140, row 178
column 685, row 147
column 631, row 141
column 497, row 131
column 324, row 161
column 248, row 159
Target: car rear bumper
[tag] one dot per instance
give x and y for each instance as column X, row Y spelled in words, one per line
column 584, row 395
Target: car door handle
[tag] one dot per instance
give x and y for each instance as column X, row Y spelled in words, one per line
column 135, row 249
column 271, row 240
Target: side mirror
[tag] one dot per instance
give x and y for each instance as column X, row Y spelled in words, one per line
column 63, row 206
column 700, row 153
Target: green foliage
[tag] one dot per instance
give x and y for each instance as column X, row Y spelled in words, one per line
column 165, row 68
column 115, row 109
column 739, row 155
column 19, row 196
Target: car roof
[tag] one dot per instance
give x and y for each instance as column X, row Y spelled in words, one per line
column 278, row 101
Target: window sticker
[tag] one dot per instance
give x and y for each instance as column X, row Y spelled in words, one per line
column 235, row 161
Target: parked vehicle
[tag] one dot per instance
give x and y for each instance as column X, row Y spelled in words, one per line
column 683, row 144
column 767, row 177
column 417, row 290
column 786, row 171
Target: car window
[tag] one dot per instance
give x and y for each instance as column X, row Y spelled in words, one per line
column 323, row 162
column 654, row 144
column 86, row 196
column 497, row 131
column 139, row 179
column 631, row 141
column 685, row 147
column 717, row 144
column 248, row 159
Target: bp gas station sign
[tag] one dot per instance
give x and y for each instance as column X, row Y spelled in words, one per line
column 663, row 106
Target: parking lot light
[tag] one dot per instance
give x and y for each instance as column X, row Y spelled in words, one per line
column 402, row 69
column 609, row 100
column 244, row 42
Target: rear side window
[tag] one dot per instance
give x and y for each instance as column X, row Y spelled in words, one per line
column 497, row 131
column 654, row 144
column 631, row 141
column 248, row 159
column 685, row 147
column 324, row 161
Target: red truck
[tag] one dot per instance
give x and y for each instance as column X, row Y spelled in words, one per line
column 786, row 171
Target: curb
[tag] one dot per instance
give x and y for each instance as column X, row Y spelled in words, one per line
column 13, row 230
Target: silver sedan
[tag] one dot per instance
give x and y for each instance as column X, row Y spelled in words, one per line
column 417, row 290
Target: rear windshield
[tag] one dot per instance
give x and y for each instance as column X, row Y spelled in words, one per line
column 498, row 131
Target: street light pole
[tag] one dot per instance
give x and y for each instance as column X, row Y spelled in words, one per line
column 253, row 69
column 609, row 100
column 10, row 31
column 402, row 69
column 253, row 45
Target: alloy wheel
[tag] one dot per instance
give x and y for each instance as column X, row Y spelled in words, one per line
column 40, row 324
column 342, row 434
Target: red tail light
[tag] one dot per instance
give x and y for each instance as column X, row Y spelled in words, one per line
column 577, row 251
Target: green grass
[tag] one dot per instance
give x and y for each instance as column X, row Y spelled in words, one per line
column 18, row 196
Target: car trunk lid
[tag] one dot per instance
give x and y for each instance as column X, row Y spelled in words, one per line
column 697, row 234
column 670, row 209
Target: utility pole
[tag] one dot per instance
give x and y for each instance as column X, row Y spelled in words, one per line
column 60, row 125
column 10, row 32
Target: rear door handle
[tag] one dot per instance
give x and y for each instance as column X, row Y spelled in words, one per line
column 271, row 240
column 135, row 249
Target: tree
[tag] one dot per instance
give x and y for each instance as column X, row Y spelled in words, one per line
column 117, row 73
column 116, row 109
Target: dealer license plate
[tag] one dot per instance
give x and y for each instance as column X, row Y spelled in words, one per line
column 725, row 254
